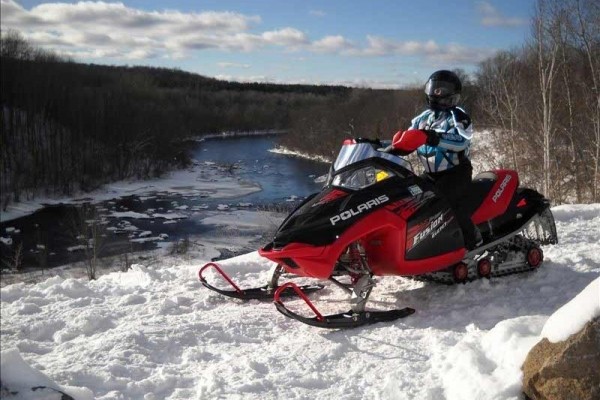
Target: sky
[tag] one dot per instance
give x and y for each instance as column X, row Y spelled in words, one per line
column 376, row 43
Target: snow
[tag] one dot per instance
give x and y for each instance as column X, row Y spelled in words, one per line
column 169, row 216
column 285, row 151
column 129, row 214
column 20, row 375
column 243, row 220
column 147, row 239
column 76, row 248
column 573, row 316
column 154, row 332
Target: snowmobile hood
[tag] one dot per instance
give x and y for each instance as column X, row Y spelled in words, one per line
column 323, row 217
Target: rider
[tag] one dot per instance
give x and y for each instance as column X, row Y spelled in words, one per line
column 446, row 152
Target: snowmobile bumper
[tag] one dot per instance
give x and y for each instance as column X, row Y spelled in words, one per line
column 260, row 293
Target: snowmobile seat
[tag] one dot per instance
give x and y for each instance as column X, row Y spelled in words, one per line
column 480, row 187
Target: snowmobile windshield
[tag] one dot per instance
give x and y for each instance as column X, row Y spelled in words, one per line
column 353, row 153
column 356, row 179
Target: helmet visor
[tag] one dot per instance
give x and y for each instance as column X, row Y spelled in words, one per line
column 439, row 88
column 442, row 103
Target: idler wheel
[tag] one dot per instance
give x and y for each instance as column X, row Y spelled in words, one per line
column 484, row 268
column 460, row 272
column 535, row 256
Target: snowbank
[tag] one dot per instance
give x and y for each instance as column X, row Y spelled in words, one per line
column 487, row 364
column 572, row 317
column 26, row 383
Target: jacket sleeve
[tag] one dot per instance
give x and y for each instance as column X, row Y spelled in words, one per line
column 416, row 121
column 462, row 123
column 459, row 137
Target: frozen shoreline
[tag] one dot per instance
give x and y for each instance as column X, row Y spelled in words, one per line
column 294, row 153
column 234, row 134
column 202, row 179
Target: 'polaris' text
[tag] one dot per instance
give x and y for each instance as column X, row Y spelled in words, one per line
column 359, row 209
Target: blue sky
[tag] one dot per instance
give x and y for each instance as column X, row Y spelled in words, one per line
column 377, row 43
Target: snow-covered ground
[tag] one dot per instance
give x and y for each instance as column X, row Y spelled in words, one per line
column 156, row 333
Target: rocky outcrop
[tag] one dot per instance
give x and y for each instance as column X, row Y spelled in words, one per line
column 565, row 370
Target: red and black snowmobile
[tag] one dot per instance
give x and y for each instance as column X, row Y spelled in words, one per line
column 375, row 217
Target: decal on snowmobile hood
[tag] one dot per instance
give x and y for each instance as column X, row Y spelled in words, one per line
column 359, row 209
column 431, row 227
column 500, row 190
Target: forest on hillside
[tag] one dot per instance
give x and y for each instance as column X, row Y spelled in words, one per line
column 68, row 126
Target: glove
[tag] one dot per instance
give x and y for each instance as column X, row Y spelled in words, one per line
column 396, row 152
column 433, row 137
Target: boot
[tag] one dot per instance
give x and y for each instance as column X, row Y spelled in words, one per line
column 473, row 242
column 478, row 237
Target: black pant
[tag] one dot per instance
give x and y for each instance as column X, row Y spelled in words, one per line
column 454, row 184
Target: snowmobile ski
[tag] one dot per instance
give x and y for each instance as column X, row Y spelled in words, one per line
column 260, row 293
column 350, row 319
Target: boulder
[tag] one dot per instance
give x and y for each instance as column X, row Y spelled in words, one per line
column 565, row 370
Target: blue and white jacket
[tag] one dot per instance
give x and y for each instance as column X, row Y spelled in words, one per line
column 455, row 130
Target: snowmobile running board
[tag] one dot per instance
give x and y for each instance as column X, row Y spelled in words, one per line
column 350, row 319
column 259, row 293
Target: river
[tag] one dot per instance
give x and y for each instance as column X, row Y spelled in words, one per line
column 160, row 218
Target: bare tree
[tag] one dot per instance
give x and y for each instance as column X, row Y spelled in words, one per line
column 89, row 232
column 546, row 49
column 15, row 263
column 586, row 29
column 499, row 78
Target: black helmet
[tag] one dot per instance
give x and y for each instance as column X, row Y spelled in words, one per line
column 443, row 90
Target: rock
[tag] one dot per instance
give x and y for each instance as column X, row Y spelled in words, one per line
column 565, row 370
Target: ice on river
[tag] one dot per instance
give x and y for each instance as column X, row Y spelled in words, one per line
column 201, row 180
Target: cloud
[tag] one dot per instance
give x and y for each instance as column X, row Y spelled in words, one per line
column 96, row 29
column 429, row 50
column 285, row 37
column 378, row 46
column 490, row 16
column 99, row 28
column 317, row 13
column 455, row 54
column 332, row 44
column 232, row 65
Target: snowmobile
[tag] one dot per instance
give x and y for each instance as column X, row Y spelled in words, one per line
column 376, row 217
